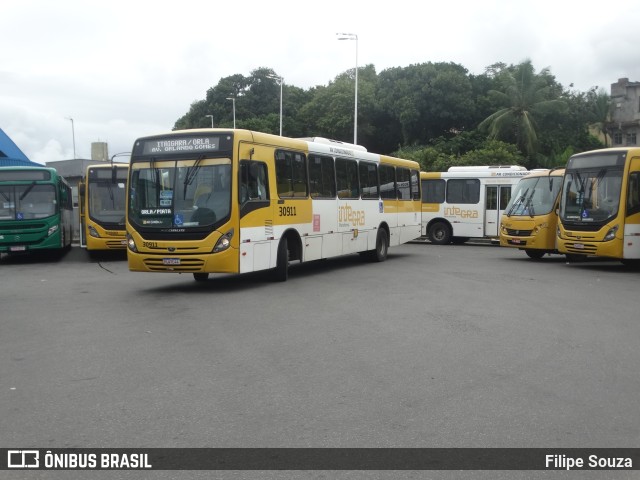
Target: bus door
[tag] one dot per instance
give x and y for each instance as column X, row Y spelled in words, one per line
column 82, row 214
column 632, row 212
column 496, row 199
column 256, row 214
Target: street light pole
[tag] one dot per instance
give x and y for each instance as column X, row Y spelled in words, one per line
column 353, row 36
column 233, row 99
column 211, row 117
column 281, row 81
column 73, row 136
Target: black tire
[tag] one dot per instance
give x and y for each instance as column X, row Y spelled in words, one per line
column 459, row 240
column 382, row 247
column 281, row 272
column 534, row 254
column 632, row 264
column 201, row 277
column 440, row 233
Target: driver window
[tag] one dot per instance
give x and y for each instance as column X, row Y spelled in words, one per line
column 253, row 181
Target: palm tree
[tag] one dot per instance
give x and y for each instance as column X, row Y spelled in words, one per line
column 525, row 96
column 601, row 112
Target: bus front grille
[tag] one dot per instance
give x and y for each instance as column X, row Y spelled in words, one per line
column 581, row 248
column 186, row 265
column 518, row 233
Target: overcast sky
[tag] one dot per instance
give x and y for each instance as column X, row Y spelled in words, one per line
column 124, row 69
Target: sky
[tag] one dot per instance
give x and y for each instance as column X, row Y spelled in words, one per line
column 82, row 71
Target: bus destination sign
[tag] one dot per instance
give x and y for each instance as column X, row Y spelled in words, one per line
column 175, row 144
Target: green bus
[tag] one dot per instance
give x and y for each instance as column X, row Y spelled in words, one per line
column 36, row 210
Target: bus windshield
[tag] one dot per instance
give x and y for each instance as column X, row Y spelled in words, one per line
column 591, row 195
column 107, row 203
column 534, row 196
column 180, row 194
column 27, row 201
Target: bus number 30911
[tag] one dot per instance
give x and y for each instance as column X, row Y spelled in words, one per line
column 287, row 211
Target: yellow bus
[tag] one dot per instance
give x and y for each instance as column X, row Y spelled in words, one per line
column 530, row 220
column 600, row 205
column 102, row 203
column 234, row 201
column 466, row 202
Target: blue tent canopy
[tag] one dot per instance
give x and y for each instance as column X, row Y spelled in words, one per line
column 11, row 155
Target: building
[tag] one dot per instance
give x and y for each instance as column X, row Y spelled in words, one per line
column 11, row 155
column 624, row 127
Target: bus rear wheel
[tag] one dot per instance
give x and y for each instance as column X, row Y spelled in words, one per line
column 379, row 254
column 200, row 277
column 439, row 233
column 281, row 272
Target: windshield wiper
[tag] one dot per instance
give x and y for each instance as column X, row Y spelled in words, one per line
column 517, row 202
column 26, row 192
column 192, row 172
column 110, row 190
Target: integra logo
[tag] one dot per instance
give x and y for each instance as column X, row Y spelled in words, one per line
column 458, row 212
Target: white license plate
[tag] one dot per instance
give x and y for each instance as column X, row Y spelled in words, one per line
column 171, row 261
column 515, row 240
column 579, row 246
column 17, row 248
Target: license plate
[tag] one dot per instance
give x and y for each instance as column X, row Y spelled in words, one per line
column 17, row 248
column 515, row 240
column 579, row 246
column 171, row 261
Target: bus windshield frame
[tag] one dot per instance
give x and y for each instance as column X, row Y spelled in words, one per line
column 180, row 195
column 534, row 196
column 27, row 201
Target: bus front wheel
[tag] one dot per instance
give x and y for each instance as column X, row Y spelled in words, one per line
column 534, row 254
column 439, row 233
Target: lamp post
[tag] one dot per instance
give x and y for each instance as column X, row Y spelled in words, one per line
column 233, row 99
column 353, row 36
column 211, row 117
column 73, row 137
column 281, row 81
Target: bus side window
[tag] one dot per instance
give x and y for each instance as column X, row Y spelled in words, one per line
column 433, row 191
column 387, row 182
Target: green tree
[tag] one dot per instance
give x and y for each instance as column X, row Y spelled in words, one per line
column 524, row 97
column 426, row 101
column 600, row 109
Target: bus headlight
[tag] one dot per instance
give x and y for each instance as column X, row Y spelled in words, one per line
column 223, row 242
column 611, row 234
column 93, row 232
column 52, row 230
column 131, row 243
